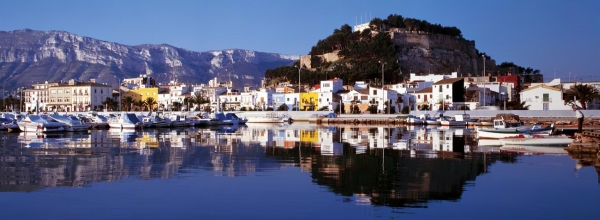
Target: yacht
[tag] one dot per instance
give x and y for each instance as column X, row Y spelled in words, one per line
column 38, row 124
column 223, row 119
column 125, row 121
column 177, row 120
column 69, row 124
column 98, row 121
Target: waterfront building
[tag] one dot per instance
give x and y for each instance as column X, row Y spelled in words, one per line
column 544, row 97
column 70, row 96
column 448, row 92
column 309, row 101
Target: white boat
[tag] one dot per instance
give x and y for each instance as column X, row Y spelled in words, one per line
column 449, row 121
column 35, row 123
column 69, row 123
column 12, row 126
column 536, row 140
column 233, row 116
column 270, row 117
column 503, row 130
column 125, row 121
column 223, row 120
column 413, row 120
column 98, row 121
column 430, row 120
column 177, row 121
column 146, row 121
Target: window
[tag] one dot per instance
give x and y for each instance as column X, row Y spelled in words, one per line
column 546, row 106
column 288, row 99
column 440, row 88
column 374, row 92
column 447, row 86
column 419, row 96
column 326, row 85
column 94, row 90
column 546, row 98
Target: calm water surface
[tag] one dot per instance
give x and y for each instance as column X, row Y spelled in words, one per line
column 297, row 171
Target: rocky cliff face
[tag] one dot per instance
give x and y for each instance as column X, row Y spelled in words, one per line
column 28, row 56
column 424, row 53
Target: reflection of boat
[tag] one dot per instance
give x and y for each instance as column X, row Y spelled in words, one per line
column 527, row 139
column 525, row 149
column 270, row 118
column 488, row 142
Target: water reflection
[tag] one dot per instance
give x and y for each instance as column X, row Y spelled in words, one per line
column 392, row 166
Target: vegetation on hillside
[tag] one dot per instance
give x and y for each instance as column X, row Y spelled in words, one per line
column 362, row 55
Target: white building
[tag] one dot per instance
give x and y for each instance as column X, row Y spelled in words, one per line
column 544, row 97
column 432, row 77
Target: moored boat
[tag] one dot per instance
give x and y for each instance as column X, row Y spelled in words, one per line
column 125, row 121
column 35, row 123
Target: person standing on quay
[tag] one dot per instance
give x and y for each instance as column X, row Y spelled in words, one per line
column 579, row 116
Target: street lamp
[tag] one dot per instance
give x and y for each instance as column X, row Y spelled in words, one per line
column 504, row 97
column 299, row 68
column 382, row 92
column 484, row 98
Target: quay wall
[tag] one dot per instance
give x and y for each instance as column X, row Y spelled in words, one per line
column 312, row 115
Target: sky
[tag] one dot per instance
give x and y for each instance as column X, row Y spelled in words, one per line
column 560, row 38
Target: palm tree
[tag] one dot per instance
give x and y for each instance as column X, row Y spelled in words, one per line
column 582, row 93
column 109, row 103
column 139, row 104
column 127, row 101
column 150, row 102
column 516, row 105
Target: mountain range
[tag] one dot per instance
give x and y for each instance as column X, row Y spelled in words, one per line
column 30, row 56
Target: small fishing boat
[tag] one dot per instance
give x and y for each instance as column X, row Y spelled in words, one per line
column 413, row 120
column 502, row 129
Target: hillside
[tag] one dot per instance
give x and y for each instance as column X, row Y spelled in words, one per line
column 29, row 56
column 403, row 46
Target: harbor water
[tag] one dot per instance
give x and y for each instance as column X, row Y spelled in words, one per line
column 295, row 171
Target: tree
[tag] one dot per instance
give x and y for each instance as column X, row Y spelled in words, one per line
column 582, row 93
column 139, row 104
column 151, row 103
column 283, row 107
column 126, row 102
column 110, row 103
column 516, row 105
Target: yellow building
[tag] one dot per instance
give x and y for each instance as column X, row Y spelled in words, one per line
column 309, row 101
column 143, row 94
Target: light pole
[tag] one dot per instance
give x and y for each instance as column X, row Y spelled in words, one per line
column 120, row 96
column 299, row 68
column 484, row 98
column 382, row 91
column 21, row 105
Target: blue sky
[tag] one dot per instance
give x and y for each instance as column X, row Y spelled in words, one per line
column 556, row 37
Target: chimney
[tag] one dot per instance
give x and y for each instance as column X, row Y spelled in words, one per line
column 93, row 80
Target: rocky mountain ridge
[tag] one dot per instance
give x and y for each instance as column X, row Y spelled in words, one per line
column 29, row 56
